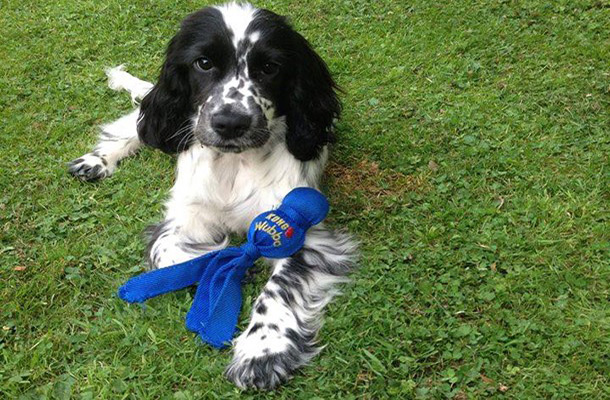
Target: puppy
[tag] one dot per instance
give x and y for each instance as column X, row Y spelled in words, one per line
column 248, row 107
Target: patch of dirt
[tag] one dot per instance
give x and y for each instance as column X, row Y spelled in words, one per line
column 372, row 181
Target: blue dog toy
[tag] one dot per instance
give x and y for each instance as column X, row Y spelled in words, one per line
column 273, row 234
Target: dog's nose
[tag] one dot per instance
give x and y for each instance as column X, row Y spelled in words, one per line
column 230, row 124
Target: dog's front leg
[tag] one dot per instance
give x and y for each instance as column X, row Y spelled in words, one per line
column 286, row 317
column 118, row 139
column 172, row 242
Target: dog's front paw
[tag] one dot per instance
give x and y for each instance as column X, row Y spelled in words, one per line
column 89, row 167
column 265, row 357
column 264, row 372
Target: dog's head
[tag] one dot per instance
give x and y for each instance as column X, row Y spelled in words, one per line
column 233, row 77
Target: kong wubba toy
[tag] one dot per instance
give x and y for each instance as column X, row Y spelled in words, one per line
column 213, row 315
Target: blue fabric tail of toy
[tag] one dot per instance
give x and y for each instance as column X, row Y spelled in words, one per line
column 274, row 234
column 217, row 302
column 160, row 281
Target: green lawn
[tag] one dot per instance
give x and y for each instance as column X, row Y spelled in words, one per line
column 473, row 167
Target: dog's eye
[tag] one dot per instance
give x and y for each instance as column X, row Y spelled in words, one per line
column 204, row 64
column 270, row 68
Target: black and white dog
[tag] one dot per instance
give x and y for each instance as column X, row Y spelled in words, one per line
column 249, row 107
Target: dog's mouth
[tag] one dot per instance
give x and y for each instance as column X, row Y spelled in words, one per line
column 252, row 139
column 210, row 139
column 228, row 148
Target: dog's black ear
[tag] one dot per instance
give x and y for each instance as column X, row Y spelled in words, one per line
column 166, row 111
column 313, row 103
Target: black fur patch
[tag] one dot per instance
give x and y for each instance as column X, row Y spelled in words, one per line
column 261, row 308
column 254, row 328
column 234, row 94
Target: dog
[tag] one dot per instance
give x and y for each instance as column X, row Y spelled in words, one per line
column 248, row 107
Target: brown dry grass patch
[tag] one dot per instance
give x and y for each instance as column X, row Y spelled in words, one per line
column 376, row 184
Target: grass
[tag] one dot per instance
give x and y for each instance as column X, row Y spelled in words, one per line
column 473, row 167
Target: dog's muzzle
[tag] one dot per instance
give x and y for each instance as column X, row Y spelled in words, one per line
column 229, row 123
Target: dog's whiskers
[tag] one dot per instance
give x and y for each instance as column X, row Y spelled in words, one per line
column 180, row 131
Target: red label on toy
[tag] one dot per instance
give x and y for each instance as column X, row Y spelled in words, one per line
column 289, row 232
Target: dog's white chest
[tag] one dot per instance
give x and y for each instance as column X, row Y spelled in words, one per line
column 234, row 188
